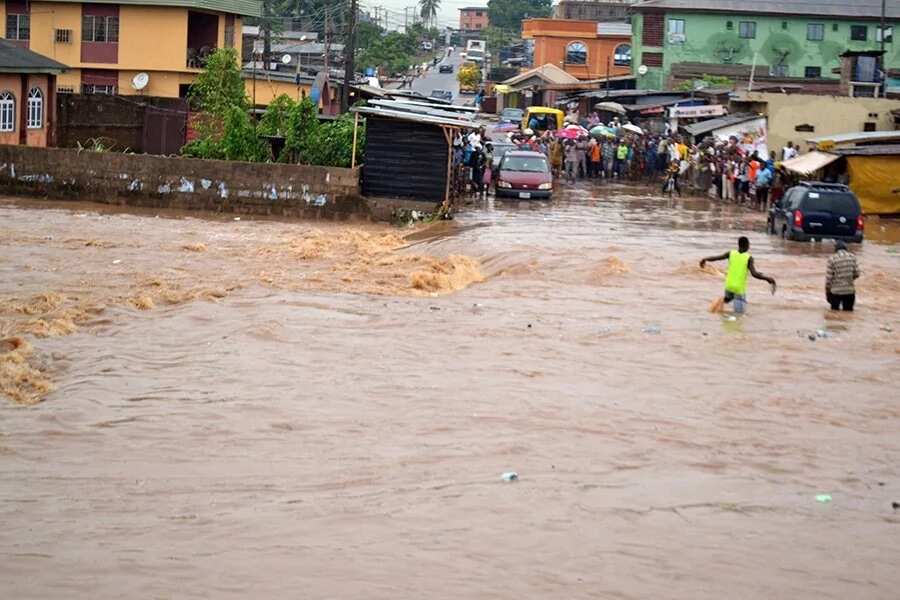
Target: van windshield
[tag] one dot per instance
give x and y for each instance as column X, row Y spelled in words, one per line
column 841, row 204
column 524, row 164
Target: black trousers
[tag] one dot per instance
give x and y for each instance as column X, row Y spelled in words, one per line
column 841, row 301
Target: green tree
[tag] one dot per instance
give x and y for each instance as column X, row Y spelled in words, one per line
column 220, row 85
column 508, row 14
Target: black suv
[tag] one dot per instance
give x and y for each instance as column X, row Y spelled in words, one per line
column 815, row 211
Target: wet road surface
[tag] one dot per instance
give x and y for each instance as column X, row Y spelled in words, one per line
column 259, row 409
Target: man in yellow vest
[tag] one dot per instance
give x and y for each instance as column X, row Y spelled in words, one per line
column 739, row 264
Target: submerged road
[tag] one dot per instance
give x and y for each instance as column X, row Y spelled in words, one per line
column 263, row 409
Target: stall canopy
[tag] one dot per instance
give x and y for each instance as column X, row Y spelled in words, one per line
column 809, row 163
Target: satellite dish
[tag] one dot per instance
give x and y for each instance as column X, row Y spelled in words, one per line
column 286, row 59
column 642, row 70
column 140, row 81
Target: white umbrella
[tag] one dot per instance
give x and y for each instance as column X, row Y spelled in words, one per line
column 613, row 107
column 633, row 129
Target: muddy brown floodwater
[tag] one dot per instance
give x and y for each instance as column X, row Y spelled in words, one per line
column 255, row 409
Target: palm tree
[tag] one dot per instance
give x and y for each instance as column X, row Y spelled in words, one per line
column 428, row 9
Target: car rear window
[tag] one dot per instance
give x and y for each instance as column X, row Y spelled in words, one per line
column 843, row 204
column 525, row 164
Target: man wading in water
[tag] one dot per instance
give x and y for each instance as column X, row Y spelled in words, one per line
column 739, row 264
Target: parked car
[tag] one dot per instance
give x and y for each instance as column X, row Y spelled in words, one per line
column 512, row 115
column 445, row 69
column 817, row 211
column 442, row 95
column 526, row 175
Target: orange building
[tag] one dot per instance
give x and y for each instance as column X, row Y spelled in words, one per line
column 473, row 18
column 585, row 49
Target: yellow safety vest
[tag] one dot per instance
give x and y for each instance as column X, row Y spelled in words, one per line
column 738, row 267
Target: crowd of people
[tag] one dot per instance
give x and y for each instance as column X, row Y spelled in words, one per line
column 724, row 169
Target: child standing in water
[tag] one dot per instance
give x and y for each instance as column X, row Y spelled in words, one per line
column 739, row 264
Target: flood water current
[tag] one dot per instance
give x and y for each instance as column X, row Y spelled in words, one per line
column 217, row 408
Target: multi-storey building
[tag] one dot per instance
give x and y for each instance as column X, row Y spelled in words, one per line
column 106, row 45
column 790, row 39
column 473, row 18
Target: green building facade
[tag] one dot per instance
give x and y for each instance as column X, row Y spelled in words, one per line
column 671, row 35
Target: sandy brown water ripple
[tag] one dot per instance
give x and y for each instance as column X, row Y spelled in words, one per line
column 294, row 416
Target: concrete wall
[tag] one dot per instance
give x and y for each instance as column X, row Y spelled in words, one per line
column 191, row 184
column 827, row 114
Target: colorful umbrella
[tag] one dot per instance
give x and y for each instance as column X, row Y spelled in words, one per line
column 571, row 133
column 633, row 129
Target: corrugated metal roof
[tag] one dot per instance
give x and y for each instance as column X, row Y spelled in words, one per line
column 857, row 136
column 405, row 115
column 842, row 9
column 15, row 59
column 809, row 162
column 247, row 8
column 876, row 150
column 714, row 124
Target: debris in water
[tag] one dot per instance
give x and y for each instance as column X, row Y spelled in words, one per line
column 823, row 498
column 117, row 261
column 434, row 307
column 652, row 330
column 237, row 218
column 812, row 337
column 887, row 328
column 823, row 334
column 142, row 302
column 19, row 379
column 529, row 326
column 895, row 505
column 510, row 476
column 198, row 247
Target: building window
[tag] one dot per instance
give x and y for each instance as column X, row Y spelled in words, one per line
column 63, row 36
column 653, row 59
column 729, row 25
column 576, row 54
column 834, row 26
column 18, row 27
column 93, row 88
column 622, row 55
column 870, row 126
column 812, row 72
column 95, row 28
column 7, row 112
column 35, row 118
column 747, row 29
column 815, row 32
column 784, row 24
column 478, row 13
column 888, row 34
column 859, row 33
column 477, row 25
column 65, row 89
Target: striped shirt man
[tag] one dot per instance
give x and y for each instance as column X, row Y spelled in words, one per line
column 842, row 271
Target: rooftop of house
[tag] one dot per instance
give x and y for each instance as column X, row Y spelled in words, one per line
column 713, row 124
column 839, row 9
column 548, row 73
column 15, row 59
column 247, row 8
column 471, row 8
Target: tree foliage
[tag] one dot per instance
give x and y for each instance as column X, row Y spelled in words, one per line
column 226, row 131
column 428, row 10
column 508, row 14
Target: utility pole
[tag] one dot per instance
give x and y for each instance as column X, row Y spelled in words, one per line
column 267, row 33
column 349, row 56
column 882, row 28
column 327, row 39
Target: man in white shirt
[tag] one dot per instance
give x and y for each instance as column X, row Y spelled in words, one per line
column 788, row 152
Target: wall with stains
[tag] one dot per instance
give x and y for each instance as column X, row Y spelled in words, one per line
column 182, row 183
